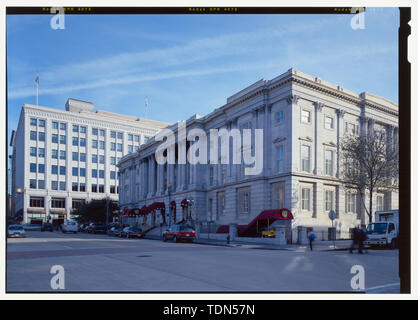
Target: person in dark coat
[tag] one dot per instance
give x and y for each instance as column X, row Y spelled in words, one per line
column 358, row 237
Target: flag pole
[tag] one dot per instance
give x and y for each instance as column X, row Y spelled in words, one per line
column 37, row 85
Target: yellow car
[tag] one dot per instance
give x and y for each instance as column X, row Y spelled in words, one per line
column 268, row 233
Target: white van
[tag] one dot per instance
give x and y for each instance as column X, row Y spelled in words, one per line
column 69, row 226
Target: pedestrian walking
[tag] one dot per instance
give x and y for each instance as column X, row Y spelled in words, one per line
column 311, row 237
column 358, row 238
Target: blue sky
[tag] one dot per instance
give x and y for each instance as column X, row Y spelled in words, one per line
column 189, row 64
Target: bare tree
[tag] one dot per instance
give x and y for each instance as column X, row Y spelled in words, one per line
column 371, row 163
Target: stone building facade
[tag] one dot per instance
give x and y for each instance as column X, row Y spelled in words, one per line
column 303, row 119
column 63, row 158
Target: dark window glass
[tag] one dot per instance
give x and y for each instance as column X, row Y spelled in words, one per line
column 42, row 123
column 32, row 183
column 54, row 169
column 41, row 168
column 41, row 136
column 33, row 151
column 33, row 135
column 32, row 167
column 41, row 152
column 62, row 170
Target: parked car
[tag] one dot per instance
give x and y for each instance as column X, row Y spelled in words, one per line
column 117, row 230
column 47, row 227
column 96, row 228
column 179, row 232
column 131, row 232
column 32, row 227
column 16, row 231
column 69, row 226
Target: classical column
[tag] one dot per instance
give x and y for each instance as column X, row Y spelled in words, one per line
column 340, row 135
column 292, row 100
column 371, row 126
column 318, row 157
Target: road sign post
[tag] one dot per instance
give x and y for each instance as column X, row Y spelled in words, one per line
column 332, row 215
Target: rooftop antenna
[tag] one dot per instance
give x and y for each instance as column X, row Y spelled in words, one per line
column 37, row 85
column 146, row 107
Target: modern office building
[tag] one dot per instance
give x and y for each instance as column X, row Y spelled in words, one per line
column 303, row 119
column 62, row 158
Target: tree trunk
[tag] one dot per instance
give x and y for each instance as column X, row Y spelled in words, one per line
column 371, row 207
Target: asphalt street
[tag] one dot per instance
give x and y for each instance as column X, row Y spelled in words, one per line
column 99, row 263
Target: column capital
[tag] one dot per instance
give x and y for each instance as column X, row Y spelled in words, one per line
column 340, row 113
column 318, row 106
column 292, row 99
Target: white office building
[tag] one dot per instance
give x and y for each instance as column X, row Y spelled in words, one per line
column 62, row 158
column 303, row 119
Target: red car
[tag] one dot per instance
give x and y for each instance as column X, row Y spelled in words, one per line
column 180, row 232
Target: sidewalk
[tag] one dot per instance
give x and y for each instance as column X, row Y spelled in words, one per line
column 340, row 245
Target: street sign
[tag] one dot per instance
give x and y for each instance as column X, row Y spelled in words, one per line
column 332, row 215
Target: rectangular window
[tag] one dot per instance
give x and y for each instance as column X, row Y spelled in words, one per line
column 130, row 149
column 82, row 157
column 58, row 203
column 75, row 156
column 146, row 139
column 120, row 135
column 94, row 144
column 136, row 138
column 130, row 137
column 33, row 151
column 77, row 203
column 32, row 167
column 101, row 133
column 75, row 141
column 380, row 203
column 120, row 147
column 41, row 152
column 54, row 154
column 63, row 126
column 329, row 122
column 113, row 146
column 62, row 185
column 75, row 171
column 244, row 201
column 41, row 136
column 306, row 158
column 113, row 160
column 94, row 188
column 211, row 173
column 280, row 197
column 94, row 173
column 101, row 174
column 41, row 168
column 82, row 142
column 280, row 159
column 63, row 139
column 74, row 186
column 101, row 188
column 83, row 129
column 329, row 200
column 82, row 187
column 280, row 117
column 306, row 116
column 54, row 185
column 94, row 158
column 63, row 155
column 54, row 125
column 33, row 135
column 306, row 199
column 351, row 202
column 329, row 156
column 112, row 189
column 54, row 138
column 221, row 203
column 101, row 145
column 54, row 169
column 42, row 123
column 101, row 159
column 33, row 122
column 112, row 134
column 62, row 170
column 41, row 184
column 82, row 172
column 75, row 128
column 32, row 183
column 94, row 131
column 112, row 174
column 36, row 202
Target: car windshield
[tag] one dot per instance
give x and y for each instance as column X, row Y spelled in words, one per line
column 183, row 228
column 15, row 228
column 379, row 228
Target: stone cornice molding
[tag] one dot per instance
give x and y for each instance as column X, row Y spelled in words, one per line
column 309, row 139
column 319, row 106
column 340, row 113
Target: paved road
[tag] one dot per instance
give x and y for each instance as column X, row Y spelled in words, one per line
column 102, row 263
